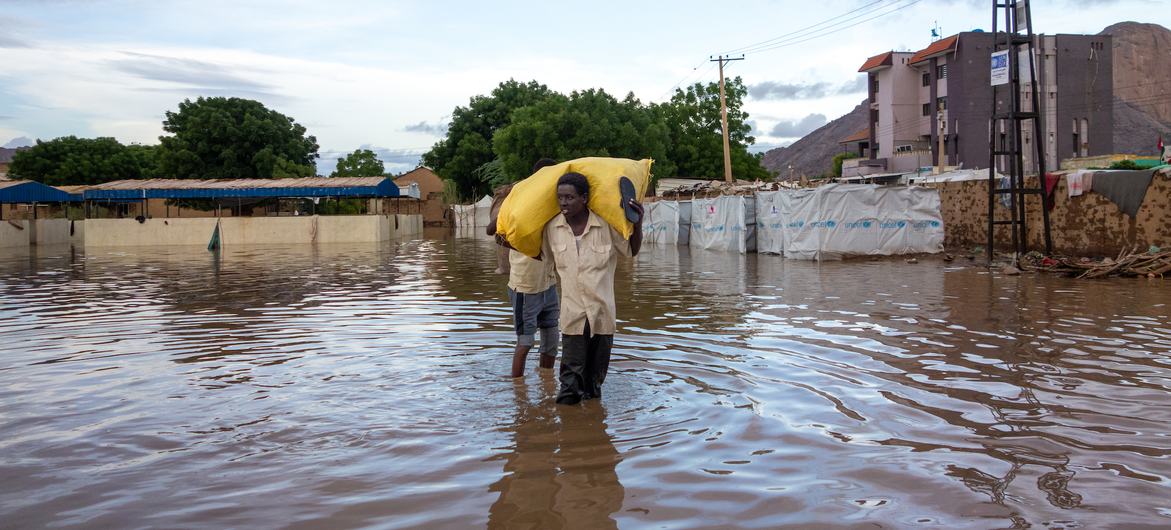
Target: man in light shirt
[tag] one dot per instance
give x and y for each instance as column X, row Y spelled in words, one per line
column 584, row 250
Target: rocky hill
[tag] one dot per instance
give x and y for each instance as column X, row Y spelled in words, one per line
column 1142, row 104
column 813, row 154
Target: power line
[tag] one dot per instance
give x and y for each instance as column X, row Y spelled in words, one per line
column 831, row 31
column 837, row 18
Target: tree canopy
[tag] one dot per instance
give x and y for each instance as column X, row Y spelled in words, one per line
column 468, row 144
column 70, row 160
column 497, row 137
column 221, row 137
column 360, row 163
column 587, row 123
column 697, row 147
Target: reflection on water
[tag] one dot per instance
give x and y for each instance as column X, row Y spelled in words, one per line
column 347, row 386
column 560, row 470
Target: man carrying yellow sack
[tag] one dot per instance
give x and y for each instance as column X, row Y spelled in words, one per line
column 585, row 249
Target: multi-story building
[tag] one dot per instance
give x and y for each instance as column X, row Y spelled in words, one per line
column 945, row 89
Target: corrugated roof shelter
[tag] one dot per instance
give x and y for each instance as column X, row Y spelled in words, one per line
column 29, row 192
column 349, row 187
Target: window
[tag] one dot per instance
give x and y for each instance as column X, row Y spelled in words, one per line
column 926, row 109
column 875, row 85
column 926, row 79
column 941, row 103
column 941, row 71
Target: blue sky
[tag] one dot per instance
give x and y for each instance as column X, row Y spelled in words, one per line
column 386, row 75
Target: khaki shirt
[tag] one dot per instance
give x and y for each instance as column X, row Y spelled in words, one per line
column 528, row 275
column 587, row 274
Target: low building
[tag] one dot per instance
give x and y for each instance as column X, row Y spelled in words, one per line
column 430, row 192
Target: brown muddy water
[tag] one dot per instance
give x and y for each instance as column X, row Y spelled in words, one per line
column 361, row 386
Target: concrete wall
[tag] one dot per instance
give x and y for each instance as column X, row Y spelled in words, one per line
column 248, row 231
column 13, row 236
column 1085, row 72
column 1086, row 225
column 57, row 232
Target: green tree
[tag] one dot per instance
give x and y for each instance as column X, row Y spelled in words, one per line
column 585, row 123
column 234, row 138
column 468, row 144
column 360, row 163
column 838, row 159
column 70, row 160
column 696, row 138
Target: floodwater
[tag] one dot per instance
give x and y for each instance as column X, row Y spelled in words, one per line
column 365, row 386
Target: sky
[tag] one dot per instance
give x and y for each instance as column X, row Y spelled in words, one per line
column 386, row 75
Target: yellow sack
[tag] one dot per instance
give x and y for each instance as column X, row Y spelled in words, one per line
column 533, row 201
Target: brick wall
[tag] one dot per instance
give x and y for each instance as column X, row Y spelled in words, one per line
column 1086, row 225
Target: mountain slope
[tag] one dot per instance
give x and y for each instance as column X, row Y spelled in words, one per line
column 813, row 154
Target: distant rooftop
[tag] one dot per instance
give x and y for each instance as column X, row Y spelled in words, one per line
column 232, row 188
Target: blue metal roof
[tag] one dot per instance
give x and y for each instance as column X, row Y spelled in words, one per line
column 178, row 189
column 27, row 191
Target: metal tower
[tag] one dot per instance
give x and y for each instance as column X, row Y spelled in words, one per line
column 1011, row 46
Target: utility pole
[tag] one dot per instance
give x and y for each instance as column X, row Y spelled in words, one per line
column 724, row 117
column 942, row 125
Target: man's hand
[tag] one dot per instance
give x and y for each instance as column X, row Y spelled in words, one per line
column 637, row 207
column 636, row 236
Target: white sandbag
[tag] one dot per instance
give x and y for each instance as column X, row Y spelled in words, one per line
column 666, row 223
column 483, row 211
column 772, row 212
column 725, row 223
column 840, row 220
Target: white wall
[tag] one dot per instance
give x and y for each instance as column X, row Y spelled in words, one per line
column 56, row 232
column 11, row 236
column 251, row 230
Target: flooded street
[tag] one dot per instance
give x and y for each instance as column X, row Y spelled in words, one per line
column 352, row 386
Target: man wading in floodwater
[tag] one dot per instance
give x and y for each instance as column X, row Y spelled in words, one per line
column 532, row 291
column 585, row 251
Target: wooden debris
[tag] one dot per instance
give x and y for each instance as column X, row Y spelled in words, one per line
column 1128, row 264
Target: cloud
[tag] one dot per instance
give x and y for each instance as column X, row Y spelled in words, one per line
column 19, row 141
column 8, row 41
column 797, row 128
column 8, row 35
column 434, row 129
column 817, row 90
column 191, row 76
column 394, row 160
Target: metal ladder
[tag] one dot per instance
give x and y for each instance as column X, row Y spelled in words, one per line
column 1009, row 152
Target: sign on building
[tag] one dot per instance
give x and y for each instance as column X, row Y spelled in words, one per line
column 1000, row 68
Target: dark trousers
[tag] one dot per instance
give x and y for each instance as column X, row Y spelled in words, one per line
column 584, row 361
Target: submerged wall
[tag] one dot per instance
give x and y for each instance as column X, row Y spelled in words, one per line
column 251, row 230
column 14, row 233
column 1085, row 225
